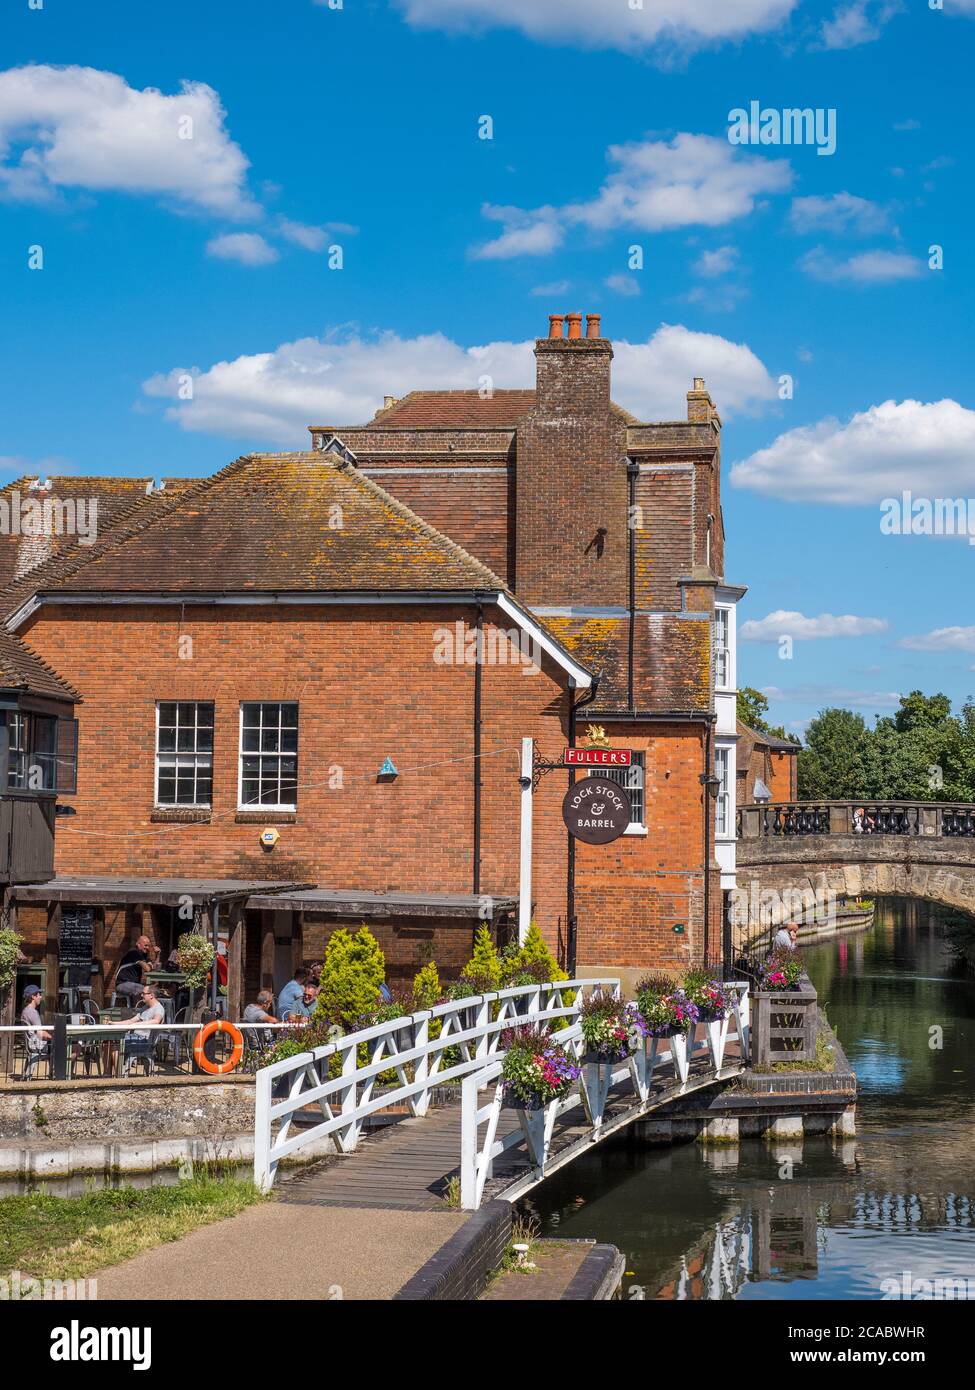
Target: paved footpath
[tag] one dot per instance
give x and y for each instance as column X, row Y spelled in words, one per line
column 280, row 1250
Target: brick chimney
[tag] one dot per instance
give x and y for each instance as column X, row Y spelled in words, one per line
column 571, row 490
column 700, row 406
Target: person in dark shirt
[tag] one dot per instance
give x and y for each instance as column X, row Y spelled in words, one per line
column 132, row 968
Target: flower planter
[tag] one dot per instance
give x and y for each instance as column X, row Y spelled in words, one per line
column 531, row 1118
column 677, row 1044
column 716, row 1034
column 597, row 1077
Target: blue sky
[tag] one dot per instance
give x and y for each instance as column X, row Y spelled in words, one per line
column 207, row 259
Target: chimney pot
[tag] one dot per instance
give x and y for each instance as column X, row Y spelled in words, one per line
column 575, row 325
column 555, row 325
column 388, row 401
column 699, row 383
column 592, row 325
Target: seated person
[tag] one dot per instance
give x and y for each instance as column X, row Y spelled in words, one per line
column 132, row 968
column 136, row 1042
column 260, row 1012
column 38, row 1039
column 293, row 994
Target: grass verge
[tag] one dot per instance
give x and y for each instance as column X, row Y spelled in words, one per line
column 72, row 1237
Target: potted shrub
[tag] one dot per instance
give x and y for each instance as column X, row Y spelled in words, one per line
column 612, row 1032
column 535, row 1071
column 713, row 1006
column 782, row 970
column 668, row 1014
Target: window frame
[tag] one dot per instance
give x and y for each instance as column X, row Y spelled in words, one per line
column 175, row 754
column 722, row 802
column 722, row 651
column 265, row 805
column 620, row 776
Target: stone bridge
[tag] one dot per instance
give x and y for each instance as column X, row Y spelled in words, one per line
column 791, row 853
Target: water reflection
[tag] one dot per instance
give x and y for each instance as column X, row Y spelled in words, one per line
column 819, row 1218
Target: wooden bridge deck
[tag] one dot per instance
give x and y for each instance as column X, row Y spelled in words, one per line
column 408, row 1164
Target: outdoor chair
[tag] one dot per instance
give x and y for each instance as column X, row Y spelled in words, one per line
column 88, row 1052
column 137, row 1050
column 34, row 1054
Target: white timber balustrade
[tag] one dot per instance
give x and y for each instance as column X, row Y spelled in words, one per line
column 340, row 1076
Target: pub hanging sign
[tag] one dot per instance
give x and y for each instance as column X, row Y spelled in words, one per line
column 596, row 810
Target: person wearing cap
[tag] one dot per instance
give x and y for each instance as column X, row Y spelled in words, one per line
column 38, row 1039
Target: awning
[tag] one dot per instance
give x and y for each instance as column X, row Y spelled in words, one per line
column 169, row 892
column 344, row 902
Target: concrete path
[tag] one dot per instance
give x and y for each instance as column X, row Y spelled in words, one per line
column 278, row 1250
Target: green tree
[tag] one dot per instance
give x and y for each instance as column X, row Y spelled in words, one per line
column 426, row 986
column 831, row 765
column 920, row 711
column 352, row 973
column 484, row 965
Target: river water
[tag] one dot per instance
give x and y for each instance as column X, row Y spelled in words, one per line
column 819, row 1218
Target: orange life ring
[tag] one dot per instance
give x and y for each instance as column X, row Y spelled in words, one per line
column 218, row 1025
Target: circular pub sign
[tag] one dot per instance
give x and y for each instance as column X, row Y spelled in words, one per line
column 596, row 810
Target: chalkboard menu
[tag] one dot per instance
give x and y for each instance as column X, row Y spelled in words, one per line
column 77, row 930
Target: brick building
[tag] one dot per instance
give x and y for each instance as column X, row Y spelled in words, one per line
column 767, row 767
column 291, row 646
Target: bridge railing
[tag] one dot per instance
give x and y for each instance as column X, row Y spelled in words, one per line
column 781, row 819
column 590, row 1092
column 340, row 1077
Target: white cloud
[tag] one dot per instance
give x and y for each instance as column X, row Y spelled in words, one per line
column 623, row 284
column 273, row 396
column 553, row 288
column 525, row 233
column 783, row 623
column 942, row 639
column 602, row 25
column 880, row 452
column 858, row 22
column 867, row 268
column 79, row 128
column 834, row 695
column 842, row 213
column 656, row 185
column 711, row 264
column 246, row 247
column 311, row 238
column 909, row 123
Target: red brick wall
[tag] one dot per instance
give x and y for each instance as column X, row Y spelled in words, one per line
column 367, row 686
column 571, row 481
column 472, row 508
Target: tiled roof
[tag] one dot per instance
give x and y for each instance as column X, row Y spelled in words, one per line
column 750, row 737
column 671, row 660
column 462, row 410
column 299, row 522
column 22, row 669
column 115, row 498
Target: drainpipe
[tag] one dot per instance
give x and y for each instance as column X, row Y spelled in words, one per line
column 632, row 473
column 570, row 887
column 215, row 934
column 706, row 777
column 478, row 672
